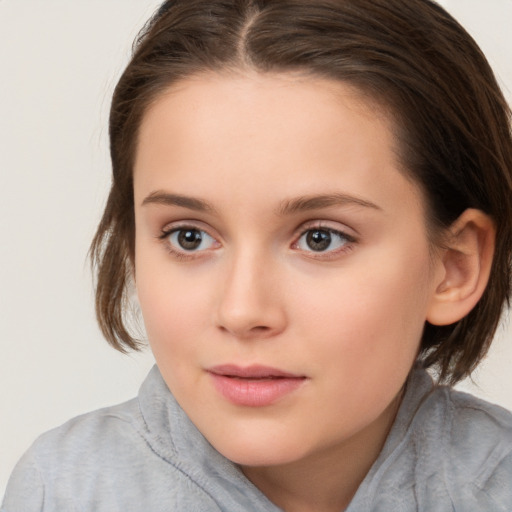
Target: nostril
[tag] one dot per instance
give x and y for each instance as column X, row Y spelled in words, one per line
column 260, row 328
column 251, row 332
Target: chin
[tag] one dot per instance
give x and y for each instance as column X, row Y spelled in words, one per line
column 263, row 452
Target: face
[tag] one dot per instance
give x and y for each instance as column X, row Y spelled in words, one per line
column 282, row 262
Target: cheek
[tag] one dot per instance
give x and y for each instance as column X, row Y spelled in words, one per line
column 369, row 315
column 173, row 303
column 169, row 312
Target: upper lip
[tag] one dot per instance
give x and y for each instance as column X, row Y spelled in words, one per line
column 252, row 372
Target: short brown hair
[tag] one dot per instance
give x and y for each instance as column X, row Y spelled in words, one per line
column 452, row 124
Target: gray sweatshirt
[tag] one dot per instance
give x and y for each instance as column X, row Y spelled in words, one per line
column 447, row 451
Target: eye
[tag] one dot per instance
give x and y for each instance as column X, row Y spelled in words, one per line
column 322, row 240
column 189, row 240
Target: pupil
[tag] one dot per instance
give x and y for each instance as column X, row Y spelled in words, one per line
column 189, row 239
column 318, row 240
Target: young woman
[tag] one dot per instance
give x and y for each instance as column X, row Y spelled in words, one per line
column 313, row 202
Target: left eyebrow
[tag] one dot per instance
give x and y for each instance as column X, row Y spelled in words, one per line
column 164, row 198
column 315, row 202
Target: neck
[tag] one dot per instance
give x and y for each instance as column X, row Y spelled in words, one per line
column 327, row 480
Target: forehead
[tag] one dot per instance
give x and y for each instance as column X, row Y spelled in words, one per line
column 241, row 98
column 299, row 133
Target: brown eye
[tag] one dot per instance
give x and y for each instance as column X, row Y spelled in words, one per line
column 323, row 240
column 190, row 240
column 318, row 239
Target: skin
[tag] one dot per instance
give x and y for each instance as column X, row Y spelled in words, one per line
column 349, row 318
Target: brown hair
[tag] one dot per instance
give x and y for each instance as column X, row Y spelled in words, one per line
column 452, row 124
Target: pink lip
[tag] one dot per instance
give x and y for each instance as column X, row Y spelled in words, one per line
column 253, row 386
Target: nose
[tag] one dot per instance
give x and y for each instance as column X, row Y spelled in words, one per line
column 250, row 303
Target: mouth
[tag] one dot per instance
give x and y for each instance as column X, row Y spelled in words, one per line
column 255, row 372
column 254, row 386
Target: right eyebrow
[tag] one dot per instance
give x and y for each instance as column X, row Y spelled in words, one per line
column 165, row 198
column 314, row 202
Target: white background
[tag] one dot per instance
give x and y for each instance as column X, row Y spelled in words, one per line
column 59, row 60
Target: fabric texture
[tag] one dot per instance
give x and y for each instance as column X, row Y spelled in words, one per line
column 447, row 451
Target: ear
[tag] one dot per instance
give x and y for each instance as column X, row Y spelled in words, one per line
column 465, row 265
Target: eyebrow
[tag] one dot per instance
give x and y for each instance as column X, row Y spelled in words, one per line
column 164, row 198
column 315, row 202
column 287, row 207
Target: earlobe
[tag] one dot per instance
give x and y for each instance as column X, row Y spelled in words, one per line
column 465, row 262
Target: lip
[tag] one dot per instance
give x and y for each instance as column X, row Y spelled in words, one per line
column 254, row 386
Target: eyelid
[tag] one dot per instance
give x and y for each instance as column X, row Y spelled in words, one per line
column 181, row 225
column 184, row 224
column 322, row 225
column 334, row 226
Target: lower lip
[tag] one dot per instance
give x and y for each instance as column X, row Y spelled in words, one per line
column 255, row 392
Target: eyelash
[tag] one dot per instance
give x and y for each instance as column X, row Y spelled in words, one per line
column 181, row 255
column 348, row 241
column 184, row 255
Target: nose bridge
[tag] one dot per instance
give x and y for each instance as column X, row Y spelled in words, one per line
column 249, row 303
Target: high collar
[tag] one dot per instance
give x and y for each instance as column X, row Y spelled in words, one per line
column 418, row 388
column 172, row 436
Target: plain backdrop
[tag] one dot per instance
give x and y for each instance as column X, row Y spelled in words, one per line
column 59, row 61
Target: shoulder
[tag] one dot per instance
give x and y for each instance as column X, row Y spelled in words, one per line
column 473, row 416
column 91, row 456
column 88, row 435
column 109, row 460
column 475, row 429
column 474, row 441
column 63, row 451
column 100, row 461
column 481, row 437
